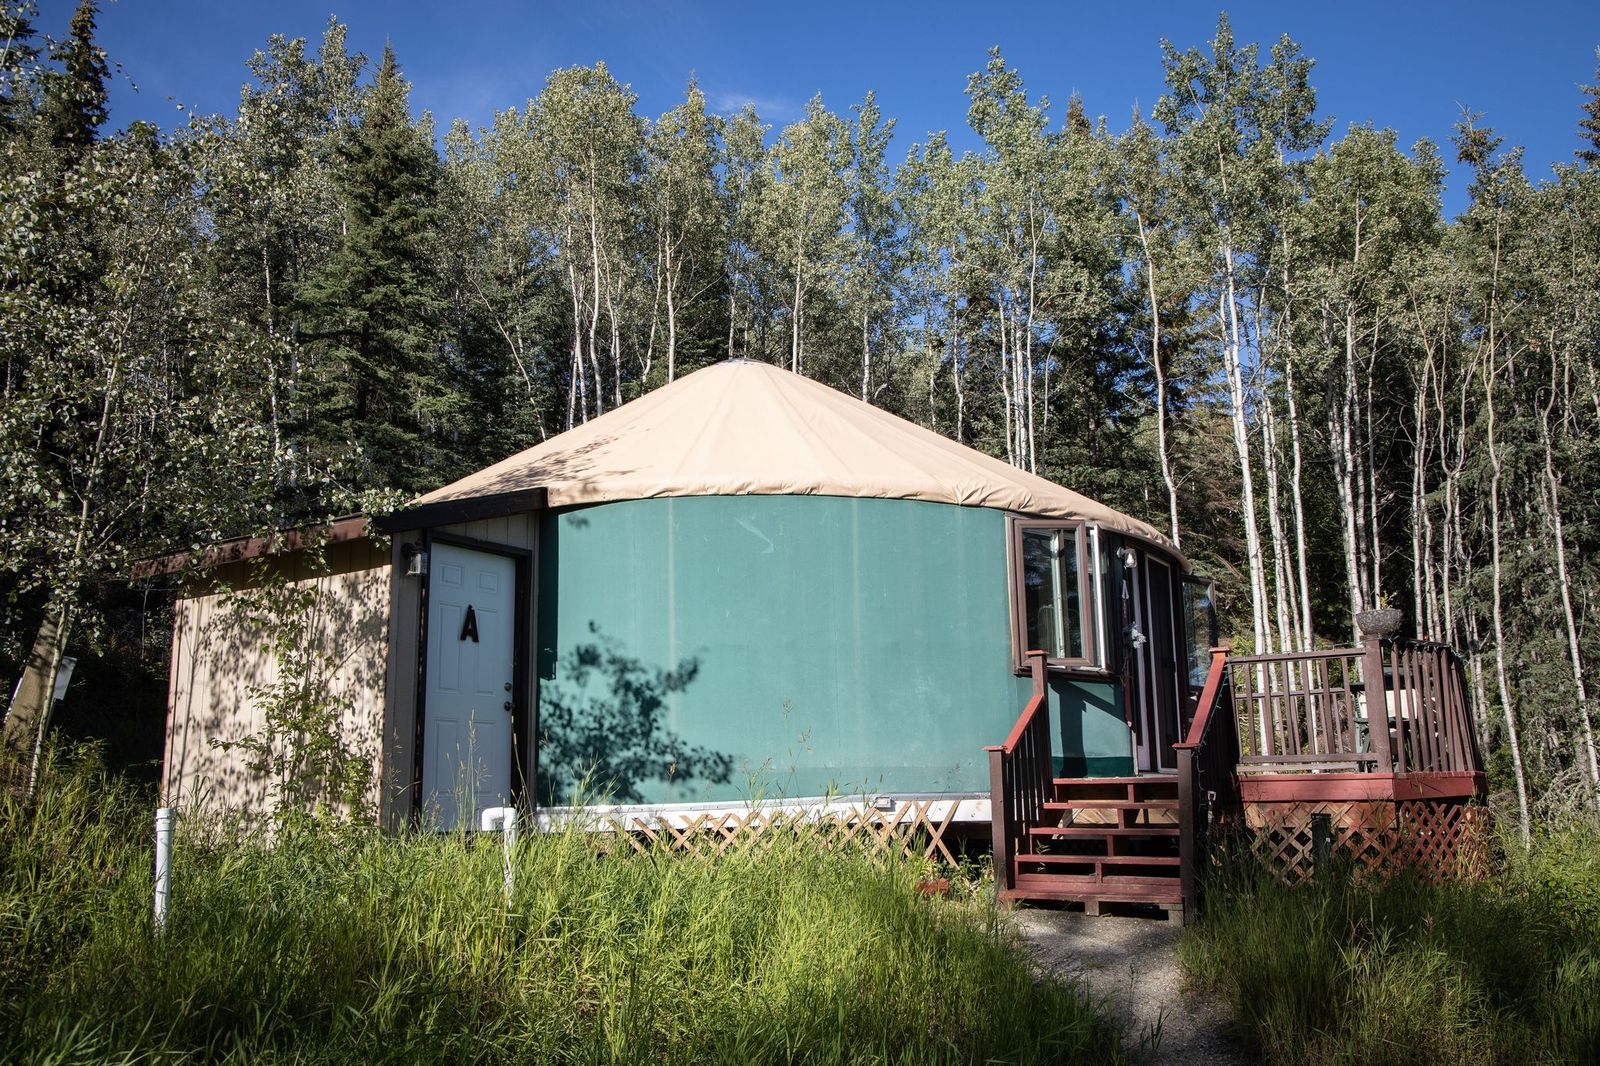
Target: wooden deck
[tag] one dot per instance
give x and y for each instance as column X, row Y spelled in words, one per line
column 1368, row 752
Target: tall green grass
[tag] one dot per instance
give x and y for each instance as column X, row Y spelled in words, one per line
column 340, row 947
column 1352, row 970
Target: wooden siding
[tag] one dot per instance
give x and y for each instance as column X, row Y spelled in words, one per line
column 218, row 662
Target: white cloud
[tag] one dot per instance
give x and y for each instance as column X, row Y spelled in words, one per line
column 775, row 110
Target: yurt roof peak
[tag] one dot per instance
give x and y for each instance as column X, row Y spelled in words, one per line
column 742, row 427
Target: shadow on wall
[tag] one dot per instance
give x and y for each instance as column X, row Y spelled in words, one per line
column 1091, row 734
column 226, row 669
column 602, row 720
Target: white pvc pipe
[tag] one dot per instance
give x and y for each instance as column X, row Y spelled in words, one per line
column 505, row 819
column 163, row 893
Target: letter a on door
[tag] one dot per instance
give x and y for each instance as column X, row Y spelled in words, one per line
column 469, row 625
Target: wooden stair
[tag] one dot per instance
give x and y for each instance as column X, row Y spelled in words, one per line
column 1103, row 840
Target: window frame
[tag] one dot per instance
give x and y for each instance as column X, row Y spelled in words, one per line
column 1088, row 593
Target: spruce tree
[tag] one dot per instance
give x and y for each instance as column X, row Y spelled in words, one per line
column 374, row 310
column 75, row 95
column 1589, row 125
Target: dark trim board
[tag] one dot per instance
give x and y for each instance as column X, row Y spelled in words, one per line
column 524, row 714
column 352, row 527
column 451, row 512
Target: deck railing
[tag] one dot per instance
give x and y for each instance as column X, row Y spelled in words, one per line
column 1207, row 775
column 1426, row 702
column 1303, row 711
column 1384, row 707
column 1020, row 775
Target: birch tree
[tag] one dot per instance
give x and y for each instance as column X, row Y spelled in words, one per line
column 1369, row 214
column 873, row 261
column 803, row 217
column 1232, row 120
column 590, row 147
column 681, row 184
column 124, row 421
column 1497, row 188
column 745, row 188
column 1155, row 247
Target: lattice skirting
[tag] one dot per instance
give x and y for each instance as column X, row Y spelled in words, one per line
column 916, row 828
column 1438, row 838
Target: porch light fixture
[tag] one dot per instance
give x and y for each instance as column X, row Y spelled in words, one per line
column 416, row 560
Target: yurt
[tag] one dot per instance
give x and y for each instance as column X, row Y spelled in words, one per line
column 742, row 588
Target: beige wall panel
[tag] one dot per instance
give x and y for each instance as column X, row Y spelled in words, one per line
column 220, row 666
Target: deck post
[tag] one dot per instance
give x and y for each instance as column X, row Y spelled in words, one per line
column 1188, row 826
column 999, row 819
column 1374, row 691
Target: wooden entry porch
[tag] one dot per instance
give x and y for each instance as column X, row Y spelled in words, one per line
column 1369, row 751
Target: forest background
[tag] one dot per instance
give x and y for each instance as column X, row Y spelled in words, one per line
column 1264, row 336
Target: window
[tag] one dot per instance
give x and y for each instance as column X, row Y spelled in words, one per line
column 1052, row 593
column 1199, row 630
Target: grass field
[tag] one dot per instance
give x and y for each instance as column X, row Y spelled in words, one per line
column 1502, row 971
column 348, row 946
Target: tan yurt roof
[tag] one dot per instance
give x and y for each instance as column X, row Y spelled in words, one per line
column 747, row 428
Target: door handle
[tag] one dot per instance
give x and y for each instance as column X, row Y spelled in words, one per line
column 507, row 706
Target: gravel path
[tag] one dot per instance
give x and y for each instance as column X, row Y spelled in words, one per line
column 1133, row 963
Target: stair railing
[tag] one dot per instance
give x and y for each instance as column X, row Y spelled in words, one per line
column 1020, row 773
column 1208, row 785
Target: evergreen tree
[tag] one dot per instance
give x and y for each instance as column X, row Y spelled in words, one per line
column 1589, row 125
column 75, row 95
column 378, row 387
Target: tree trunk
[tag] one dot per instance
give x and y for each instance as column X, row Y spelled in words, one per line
column 1163, row 450
column 799, row 292
column 1297, row 497
column 1340, row 416
column 672, row 316
column 1009, row 404
column 1241, row 443
column 1027, row 341
column 1419, row 506
column 1501, row 678
column 866, row 359
column 576, row 392
column 28, row 718
column 1370, row 462
column 955, row 371
column 1282, row 585
column 1564, row 583
column 594, row 311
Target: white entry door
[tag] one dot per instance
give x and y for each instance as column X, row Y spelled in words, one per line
column 468, row 701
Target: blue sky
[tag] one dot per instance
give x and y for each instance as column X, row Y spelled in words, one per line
column 1409, row 66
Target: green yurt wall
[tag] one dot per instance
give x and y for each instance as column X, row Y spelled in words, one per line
column 724, row 648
